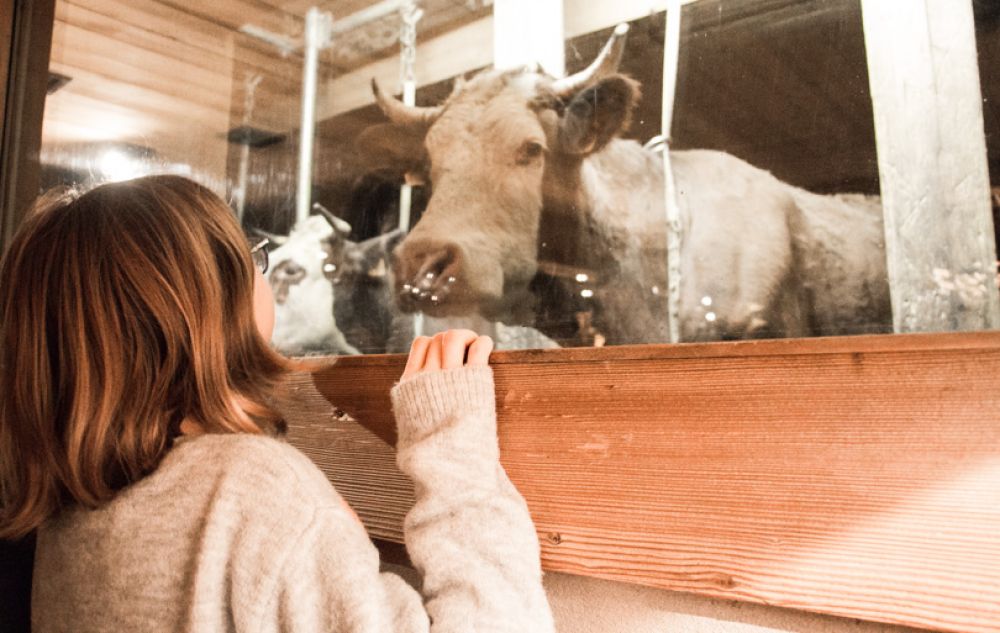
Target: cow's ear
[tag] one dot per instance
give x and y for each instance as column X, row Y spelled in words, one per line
column 387, row 147
column 597, row 114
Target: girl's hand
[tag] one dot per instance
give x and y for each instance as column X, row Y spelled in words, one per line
column 448, row 350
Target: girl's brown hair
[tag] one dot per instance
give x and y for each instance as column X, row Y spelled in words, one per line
column 123, row 312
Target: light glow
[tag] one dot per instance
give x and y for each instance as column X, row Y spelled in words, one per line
column 116, row 166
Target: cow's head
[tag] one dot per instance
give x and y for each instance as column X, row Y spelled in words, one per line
column 303, row 295
column 502, row 146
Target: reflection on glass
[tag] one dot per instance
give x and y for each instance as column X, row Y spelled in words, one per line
column 536, row 203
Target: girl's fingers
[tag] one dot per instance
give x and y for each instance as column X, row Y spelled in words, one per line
column 479, row 351
column 418, row 355
column 448, row 350
column 455, row 344
column 433, row 361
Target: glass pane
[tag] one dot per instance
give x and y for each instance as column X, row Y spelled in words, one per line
column 528, row 208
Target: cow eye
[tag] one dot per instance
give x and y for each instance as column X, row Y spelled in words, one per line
column 529, row 151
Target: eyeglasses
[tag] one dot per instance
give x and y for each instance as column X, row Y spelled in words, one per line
column 258, row 253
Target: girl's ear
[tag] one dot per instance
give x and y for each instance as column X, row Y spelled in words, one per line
column 597, row 114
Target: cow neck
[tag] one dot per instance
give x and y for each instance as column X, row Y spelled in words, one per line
column 569, row 234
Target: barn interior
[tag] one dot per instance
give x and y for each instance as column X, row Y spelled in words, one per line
column 213, row 90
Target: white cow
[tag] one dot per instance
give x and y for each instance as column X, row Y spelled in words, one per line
column 304, row 322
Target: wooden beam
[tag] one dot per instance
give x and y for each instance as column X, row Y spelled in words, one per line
column 232, row 14
column 856, row 476
column 24, row 105
column 456, row 52
column 465, row 49
column 932, row 164
column 151, row 24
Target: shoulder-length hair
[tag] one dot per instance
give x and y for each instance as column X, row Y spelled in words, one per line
column 123, row 312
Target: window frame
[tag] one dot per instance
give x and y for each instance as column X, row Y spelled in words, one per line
column 888, row 358
column 24, row 75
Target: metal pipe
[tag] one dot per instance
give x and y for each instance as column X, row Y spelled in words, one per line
column 317, row 37
column 671, row 54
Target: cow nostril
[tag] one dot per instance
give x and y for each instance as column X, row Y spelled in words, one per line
column 434, row 266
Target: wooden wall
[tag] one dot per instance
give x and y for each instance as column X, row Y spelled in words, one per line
column 857, row 476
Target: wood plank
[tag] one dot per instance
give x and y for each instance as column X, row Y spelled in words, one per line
column 232, row 14
column 141, row 99
column 130, row 81
column 78, row 49
column 142, row 38
column 467, row 48
column 934, row 174
column 858, row 476
column 153, row 19
column 156, row 17
column 446, row 56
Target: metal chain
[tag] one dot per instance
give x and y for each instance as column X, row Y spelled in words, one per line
column 410, row 14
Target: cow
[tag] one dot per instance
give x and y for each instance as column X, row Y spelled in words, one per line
column 333, row 295
column 304, row 301
column 529, row 175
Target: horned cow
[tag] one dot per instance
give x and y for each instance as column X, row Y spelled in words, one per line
column 333, row 295
column 529, row 174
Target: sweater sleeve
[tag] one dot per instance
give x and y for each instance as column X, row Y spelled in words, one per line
column 469, row 533
column 331, row 583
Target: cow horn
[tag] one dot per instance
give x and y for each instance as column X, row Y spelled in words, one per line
column 274, row 238
column 402, row 114
column 336, row 223
column 606, row 63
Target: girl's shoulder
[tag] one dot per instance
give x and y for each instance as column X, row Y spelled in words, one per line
column 259, row 465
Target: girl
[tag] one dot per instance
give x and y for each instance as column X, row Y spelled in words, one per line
column 137, row 437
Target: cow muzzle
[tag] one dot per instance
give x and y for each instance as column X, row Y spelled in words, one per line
column 429, row 276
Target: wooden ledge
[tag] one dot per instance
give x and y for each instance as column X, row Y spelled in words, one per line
column 857, row 476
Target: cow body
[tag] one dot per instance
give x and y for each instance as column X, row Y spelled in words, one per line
column 759, row 258
column 529, row 175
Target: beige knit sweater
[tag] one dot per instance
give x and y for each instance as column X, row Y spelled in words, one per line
column 244, row 533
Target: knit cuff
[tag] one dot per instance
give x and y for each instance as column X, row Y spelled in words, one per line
column 428, row 400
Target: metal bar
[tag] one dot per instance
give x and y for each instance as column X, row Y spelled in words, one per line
column 409, row 15
column 317, row 37
column 671, row 54
column 250, row 90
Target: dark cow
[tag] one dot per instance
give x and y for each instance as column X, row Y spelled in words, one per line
column 363, row 308
column 529, row 176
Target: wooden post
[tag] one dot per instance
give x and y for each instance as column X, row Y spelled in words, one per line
column 529, row 31
column 932, row 164
column 29, row 24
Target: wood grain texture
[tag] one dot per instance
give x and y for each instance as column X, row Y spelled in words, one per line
column 928, row 105
column 857, row 476
column 6, row 43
